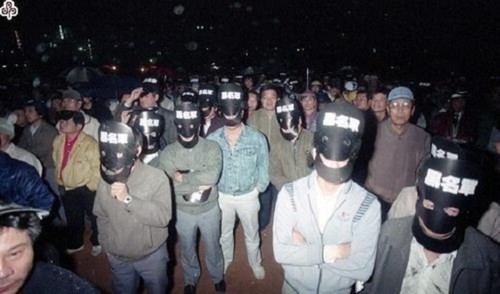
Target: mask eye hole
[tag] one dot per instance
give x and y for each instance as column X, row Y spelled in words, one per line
column 347, row 142
column 428, row 204
column 324, row 139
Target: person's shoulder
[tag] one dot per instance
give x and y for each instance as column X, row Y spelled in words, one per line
column 207, row 143
column 419, row 132
column 398, row 225
column 478, row 241
column 47, row 277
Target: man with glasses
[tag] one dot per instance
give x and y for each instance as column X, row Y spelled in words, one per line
column 399, row 147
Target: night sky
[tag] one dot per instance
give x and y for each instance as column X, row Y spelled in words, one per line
column 429, row 38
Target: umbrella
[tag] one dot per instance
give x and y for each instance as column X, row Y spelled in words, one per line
column 110, row 86
column 81, row 74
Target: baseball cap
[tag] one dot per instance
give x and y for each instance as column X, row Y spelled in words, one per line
column 15, row 208
column 400, row 93
column 6, row 127
column 72, row 94
column 316, row 83
column 151, row 85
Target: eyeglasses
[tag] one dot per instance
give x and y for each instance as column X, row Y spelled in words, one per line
column 403, row 105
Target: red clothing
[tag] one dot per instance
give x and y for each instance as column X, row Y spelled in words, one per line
column 68, row 146
column 465, row 129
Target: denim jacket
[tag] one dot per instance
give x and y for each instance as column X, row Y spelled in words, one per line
column 245, row 166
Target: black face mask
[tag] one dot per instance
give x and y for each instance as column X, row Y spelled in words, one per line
column 333, row 175
column 232, row 122
column 289, row 136
column 439, row 246
column 189, row 144
column 111, row 177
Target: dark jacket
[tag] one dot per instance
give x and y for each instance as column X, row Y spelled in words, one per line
column 476, row 268
column 40, row 143
column 21, row 184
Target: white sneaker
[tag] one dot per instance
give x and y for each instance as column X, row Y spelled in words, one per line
column 71, row 251
column 259, row 272
column 96, row 250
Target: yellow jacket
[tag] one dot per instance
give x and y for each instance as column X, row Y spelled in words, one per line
column 82, row 168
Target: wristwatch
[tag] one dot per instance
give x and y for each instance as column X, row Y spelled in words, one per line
column 127, row 199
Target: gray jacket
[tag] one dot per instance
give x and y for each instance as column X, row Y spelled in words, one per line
column 204, row 163
column 132, row 231
column 356, row 220
column 476, row 268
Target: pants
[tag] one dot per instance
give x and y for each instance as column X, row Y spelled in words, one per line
column 247, row 208
column 266, row 199
column 187, row 226
column 77, row 203
column 384, row 209
column 152, row 269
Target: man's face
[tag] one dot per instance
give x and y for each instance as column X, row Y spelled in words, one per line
column 269, row 99
column 308, row 103
column 361, row 101
column 315, row 88
column 21, row 117
column 148, row 100
column 253, row 101
column 69, row 127
column 31, row 114
column 458, row 104
column 248, row 83
column 379, row 102
column 16, row 259
column 72, row 104
column 400, row 111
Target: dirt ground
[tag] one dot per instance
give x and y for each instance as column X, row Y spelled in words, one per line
column 239, row 277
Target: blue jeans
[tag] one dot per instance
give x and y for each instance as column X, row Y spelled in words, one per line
column 187, row 227
column 266, row 205
column 152, row 269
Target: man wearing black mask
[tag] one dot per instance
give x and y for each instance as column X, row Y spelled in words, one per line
column 325, row 225
column 194, row 165
column 207, row 95
column 435, row 251
column 133, row 208
column 290, row 159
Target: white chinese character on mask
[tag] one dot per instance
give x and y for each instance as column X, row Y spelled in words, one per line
column 450, row 184
column 433, row 178
column 468, row 186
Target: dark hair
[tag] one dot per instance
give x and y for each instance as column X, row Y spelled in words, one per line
column 269, row 87
column 377, row 90
column 23, row 221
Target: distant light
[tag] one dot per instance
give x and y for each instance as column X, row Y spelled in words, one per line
column 114, row 67
column 80, row 49
column 61, row 33
column 4, row 65
column 143, row 69
column 374, row 50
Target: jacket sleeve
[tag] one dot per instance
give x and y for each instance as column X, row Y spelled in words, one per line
column 276, row 175
column 359, row 265
column 93, row 159
column 100, row 213
column 286, row 251
column 157, row 211
column 33, row 190
column 170, row 132
column 262, row 164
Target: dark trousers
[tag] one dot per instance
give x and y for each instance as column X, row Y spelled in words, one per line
column 266, row 199
column 77, row 203
column 384, row 209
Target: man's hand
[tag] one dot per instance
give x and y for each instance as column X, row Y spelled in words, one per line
column 178, row 177
column 133, row 96
column 125, row 116
column 297, row 237
column 334, row 252
column 119, row 191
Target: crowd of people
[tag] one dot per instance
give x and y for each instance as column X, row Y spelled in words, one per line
column 368, row 186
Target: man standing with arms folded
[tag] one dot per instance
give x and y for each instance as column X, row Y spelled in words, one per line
column 194, row 165
column 326, row 226
column 244, row 175
column 133, row 208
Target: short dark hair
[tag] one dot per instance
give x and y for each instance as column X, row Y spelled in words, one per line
column 23, row 221
column 377, row 90
column 270, row 87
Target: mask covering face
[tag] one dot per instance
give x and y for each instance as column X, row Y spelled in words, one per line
column 151, row 125
column 444, row 186
column 230, row 97
column 338, row 138
column 288, row 115
column 187, row 120
column 117, row 151
column 333, row 175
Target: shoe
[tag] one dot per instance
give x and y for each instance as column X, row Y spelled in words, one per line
column 71, row 251
column 96, row 250
column 259, row 272
column 220, row 287
column 189, row 289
